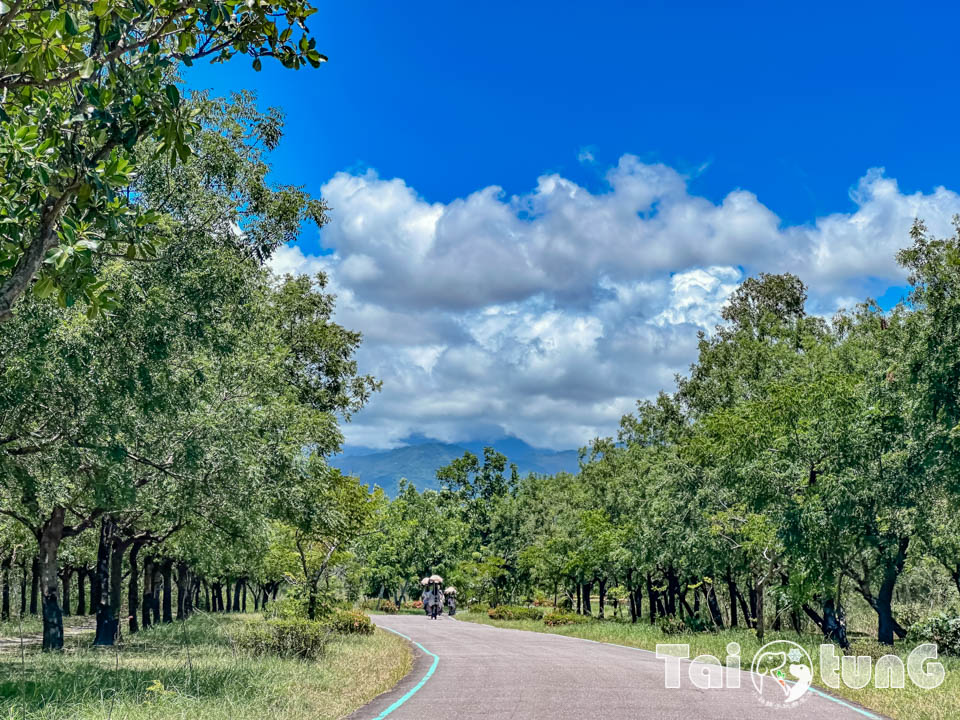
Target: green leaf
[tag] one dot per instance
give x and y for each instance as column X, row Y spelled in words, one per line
column 173, row 95
column 44, row 288
column 257, row 64
column 86, row 70
column 69, row 24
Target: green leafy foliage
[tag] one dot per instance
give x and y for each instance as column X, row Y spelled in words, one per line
column 349, row 622
column 86, row 87
column 941, row 628
column 300, row 638
column 557, row 619
column 515, row 612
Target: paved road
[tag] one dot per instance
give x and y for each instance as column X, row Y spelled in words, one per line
column 489, row 673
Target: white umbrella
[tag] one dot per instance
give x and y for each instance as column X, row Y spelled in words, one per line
column 436, row 579
column 425, row 581
column 450, row 591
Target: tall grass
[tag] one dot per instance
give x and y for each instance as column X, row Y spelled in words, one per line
column 193, row 670
column 909, row 703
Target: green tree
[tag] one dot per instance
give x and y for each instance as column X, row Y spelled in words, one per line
column 85, row 85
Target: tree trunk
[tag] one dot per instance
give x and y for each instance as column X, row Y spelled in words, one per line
column 133, row 588
column 227, row 589
column 312, row 601
column 146, row 603
column 714, row 606
column 206, row 593
column 832, row 623
column 603, row 596
column 191, row 594
column 67, row 575
column 157, row 589
column 587, row 589
column 243, row 604
column 760, row 619
column 579, row 598
column 81, row 591
column 50, row 536
column 732, row 592
column 35, row 586
column 886, row 625
column 23, row 588
column 236, row 595
column 5, row 589
column 107, row 623
column 116, row 576
column 183, row 590
column 167, row 571
column 651, row 600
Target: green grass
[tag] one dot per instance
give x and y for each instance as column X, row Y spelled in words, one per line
column 192, row 670
column 909, row 703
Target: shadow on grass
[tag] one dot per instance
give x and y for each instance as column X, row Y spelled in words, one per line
column 191, row 661
column 71, row 684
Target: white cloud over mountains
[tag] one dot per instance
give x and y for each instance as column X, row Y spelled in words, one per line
column 547, row 315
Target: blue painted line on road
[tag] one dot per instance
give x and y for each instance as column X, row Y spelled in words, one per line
column 847, row 705
column 415, row 688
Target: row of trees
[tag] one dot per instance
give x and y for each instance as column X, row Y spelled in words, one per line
column 798, row 460
column 170, row 428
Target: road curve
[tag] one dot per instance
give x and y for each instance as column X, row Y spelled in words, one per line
column 473, row 672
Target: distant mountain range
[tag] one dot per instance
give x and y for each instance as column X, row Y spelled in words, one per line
column 419, row 460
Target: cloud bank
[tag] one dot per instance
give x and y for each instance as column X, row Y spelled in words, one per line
column 547, row 315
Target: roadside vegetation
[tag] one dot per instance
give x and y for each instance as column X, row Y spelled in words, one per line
column 197, row 669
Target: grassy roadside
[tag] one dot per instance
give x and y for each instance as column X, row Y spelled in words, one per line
column 909, row 703
column 193, row 670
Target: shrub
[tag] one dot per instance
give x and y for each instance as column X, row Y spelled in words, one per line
column 288, row 607
column 540, row 599
column 515, row 612
column 696, row 623
column 388, row 607
column 416, row 605
column 909, row 614
column 480, row 607
column 671, row 625
column 867, row 647
column 349, row 622
column 304, row 639
column 553, row 619
column 941, row 628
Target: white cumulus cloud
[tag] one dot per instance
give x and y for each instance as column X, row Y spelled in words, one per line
column 547, row 315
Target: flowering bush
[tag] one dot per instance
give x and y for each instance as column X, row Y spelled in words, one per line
column 349, row 622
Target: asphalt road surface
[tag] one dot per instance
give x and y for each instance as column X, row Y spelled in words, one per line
column 472, row 671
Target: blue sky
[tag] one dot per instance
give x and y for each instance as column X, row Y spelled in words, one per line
column 794, row 101
column 745, row 136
